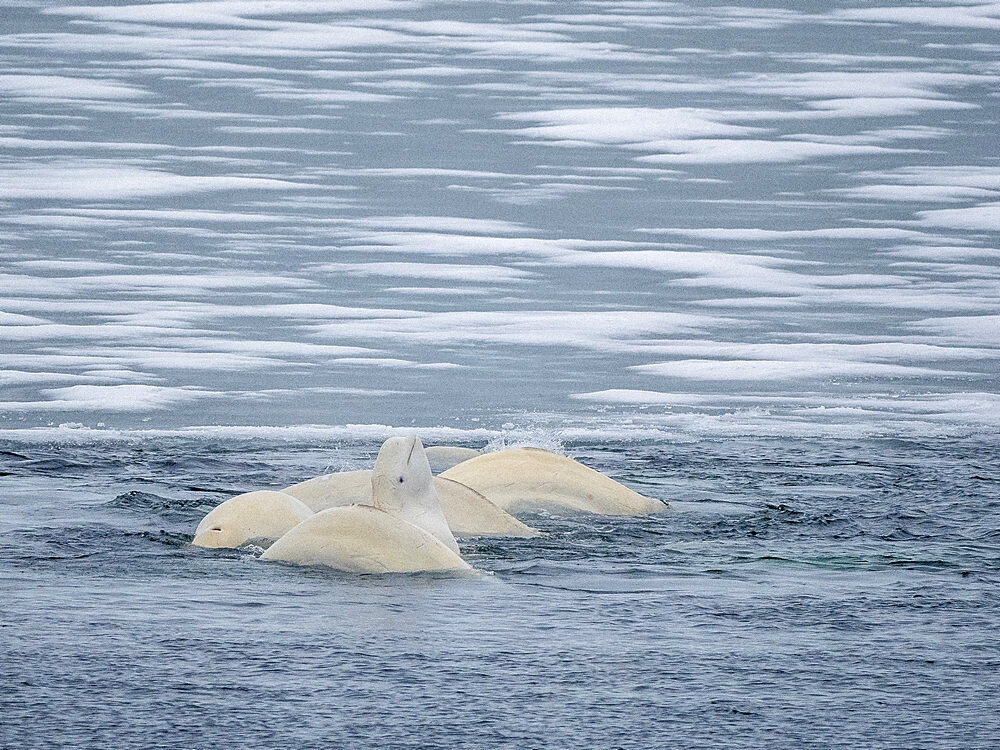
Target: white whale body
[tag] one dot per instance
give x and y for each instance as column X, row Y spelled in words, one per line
column 443, row 457
column 254, row 515
column 471, row 514
column 528, row 479
column 402, row 531
column 403, row 485
column 467, row 512
column 364, row 539
column 334, row 490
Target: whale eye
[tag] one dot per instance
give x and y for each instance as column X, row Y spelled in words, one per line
column 400, row 480
column 217, row 528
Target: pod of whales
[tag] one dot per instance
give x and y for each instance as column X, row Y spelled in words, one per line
column 529, row 479
column 402, row 531
column 398, row 517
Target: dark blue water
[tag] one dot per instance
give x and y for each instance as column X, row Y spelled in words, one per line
column 802, row 594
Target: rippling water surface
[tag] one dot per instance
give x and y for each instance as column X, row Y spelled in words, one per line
column 815, row 594
column 743, row 258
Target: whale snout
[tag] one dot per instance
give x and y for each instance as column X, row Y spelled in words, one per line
column 211, row 538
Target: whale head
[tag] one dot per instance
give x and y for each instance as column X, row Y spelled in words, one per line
column 254, row 515
column 402, row 484
column 402, row 474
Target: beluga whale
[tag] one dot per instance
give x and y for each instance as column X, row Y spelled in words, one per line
column 253, row 515
column 530, row 479
column 402, row 530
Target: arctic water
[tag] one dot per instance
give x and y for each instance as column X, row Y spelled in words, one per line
column 742, row 258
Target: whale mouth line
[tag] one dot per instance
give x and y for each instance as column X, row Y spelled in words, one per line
column 413, row 447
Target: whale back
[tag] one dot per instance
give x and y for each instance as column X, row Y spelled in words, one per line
column 253, row 515
column 402, row 485
column 525, row 479
column 334, row 490
column 471, row 514
column 442, row 457
column 364, row 539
